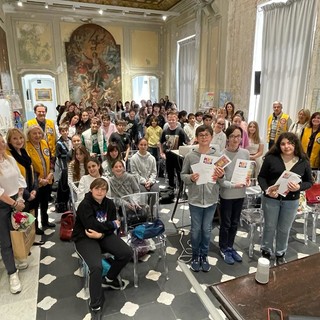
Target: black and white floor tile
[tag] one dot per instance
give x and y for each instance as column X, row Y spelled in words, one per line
column 53, row 285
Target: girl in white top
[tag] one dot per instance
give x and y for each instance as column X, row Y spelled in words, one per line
column 95, row 171
column 303, row 120
column 78, row 167
column 219, row 137
column 72, row 126
column 12, row 184
column 255, row 146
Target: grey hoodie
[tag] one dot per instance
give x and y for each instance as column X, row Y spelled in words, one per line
column 144, row 167
column 203, row 195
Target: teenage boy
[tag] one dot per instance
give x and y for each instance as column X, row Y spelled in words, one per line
column 121, row 138
column 132, row 127
column 94, row 141
column 63, row 147
column 207, row 120
column 171, row 139
column 199, row 115
column 182, row 116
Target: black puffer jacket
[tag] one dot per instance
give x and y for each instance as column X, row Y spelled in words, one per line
column 95, row 216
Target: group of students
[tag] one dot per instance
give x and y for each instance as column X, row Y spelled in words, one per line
column 95, row 161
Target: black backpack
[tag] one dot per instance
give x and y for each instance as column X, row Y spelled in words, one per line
column 166, row 196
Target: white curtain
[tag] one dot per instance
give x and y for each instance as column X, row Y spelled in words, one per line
column 186, row 74
column 286, row 49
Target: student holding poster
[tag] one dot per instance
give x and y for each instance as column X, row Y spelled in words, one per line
column 279, row 211
column 203, row 198
column 231, row 196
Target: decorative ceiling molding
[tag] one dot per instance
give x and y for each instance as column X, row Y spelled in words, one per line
column 148, row 9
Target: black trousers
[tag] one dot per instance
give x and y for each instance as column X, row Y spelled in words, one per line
column 173, row 165
column 91, row 251
column 230, row 216
column 42, row 199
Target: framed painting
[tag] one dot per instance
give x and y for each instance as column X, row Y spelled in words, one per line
column 43, row 94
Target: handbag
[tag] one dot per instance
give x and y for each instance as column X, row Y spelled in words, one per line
column 66, row 226
column 148, row 230
column 313, row 194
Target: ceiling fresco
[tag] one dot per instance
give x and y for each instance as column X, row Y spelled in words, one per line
column 162, row 5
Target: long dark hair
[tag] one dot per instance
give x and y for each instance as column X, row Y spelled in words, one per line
column 76, row 163
column 294, row 140
column 112, row 147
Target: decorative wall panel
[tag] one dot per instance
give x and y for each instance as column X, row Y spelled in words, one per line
column 34, row 43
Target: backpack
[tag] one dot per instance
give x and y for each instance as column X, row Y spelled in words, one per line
column 166, row 196
column 148, row 230
column 66, row 227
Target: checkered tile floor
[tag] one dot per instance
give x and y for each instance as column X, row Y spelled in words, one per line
column 53, row 287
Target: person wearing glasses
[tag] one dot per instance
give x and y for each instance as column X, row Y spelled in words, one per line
column 46, row 125
column 219, row 137
column 231, row 196
column 202, row 199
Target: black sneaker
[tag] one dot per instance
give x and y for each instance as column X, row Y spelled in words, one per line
column 266, row 254
column 96, row 313
column 280, row 260
column 114, row 284
column 39, row 232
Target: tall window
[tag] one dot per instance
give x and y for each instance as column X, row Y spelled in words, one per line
column 185, row 73
column 286, row 38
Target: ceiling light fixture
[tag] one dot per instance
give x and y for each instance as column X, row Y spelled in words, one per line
column 164, row 18
column 46, row 6
column 100, row 11
column 19, row 3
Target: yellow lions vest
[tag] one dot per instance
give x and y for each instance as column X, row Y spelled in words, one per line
column 282, row 126
column 315, row 153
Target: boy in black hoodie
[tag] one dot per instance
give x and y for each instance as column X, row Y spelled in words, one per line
column 94, row 234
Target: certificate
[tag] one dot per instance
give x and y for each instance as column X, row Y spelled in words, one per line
column 281, row 186
column 242, row 171
column 205, row 169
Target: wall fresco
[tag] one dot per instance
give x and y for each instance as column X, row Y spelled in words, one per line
column 93, row 65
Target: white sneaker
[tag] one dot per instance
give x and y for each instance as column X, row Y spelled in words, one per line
column 15, row 284
column 21, row 265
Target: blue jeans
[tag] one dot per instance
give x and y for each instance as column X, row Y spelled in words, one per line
column 230, row 215
column 201, row 226
column 278, row 218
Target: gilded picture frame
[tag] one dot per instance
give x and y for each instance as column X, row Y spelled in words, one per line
column 43, row 94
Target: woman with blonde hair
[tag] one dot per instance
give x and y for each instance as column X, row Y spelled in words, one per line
column 43, row 163
column 301, row 123
column 16, row 141
column 255, row 146
column 12, row 184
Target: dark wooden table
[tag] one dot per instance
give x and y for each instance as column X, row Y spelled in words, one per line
column 294, row 288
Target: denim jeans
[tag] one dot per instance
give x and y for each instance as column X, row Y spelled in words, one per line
column 278, row 218
column 201, row 226
column 230, row 215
